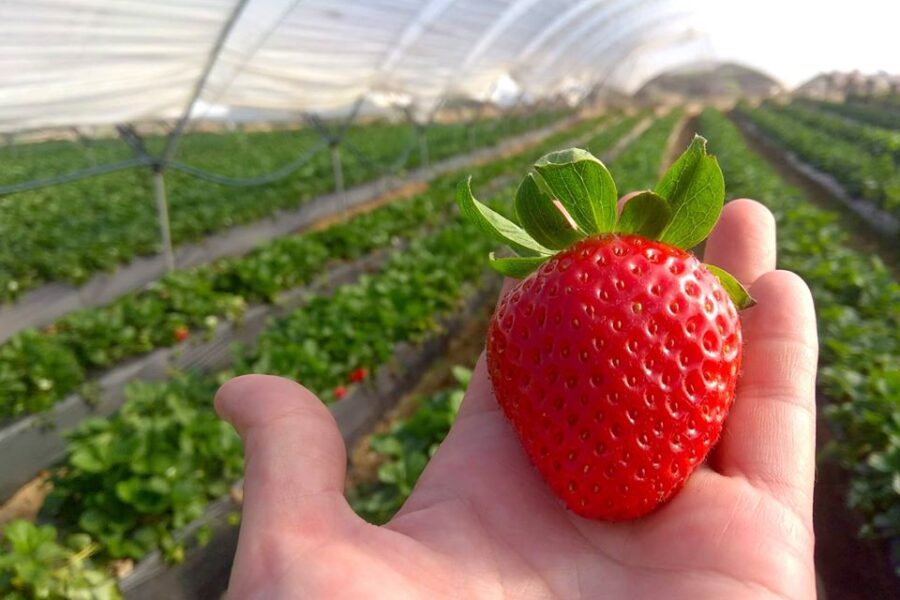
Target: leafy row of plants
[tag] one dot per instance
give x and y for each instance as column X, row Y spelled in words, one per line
column 71, row 231
column 876, row 141
column 35, row 563
column 858, row 305
column 865, row 175
column 131, row 481
column 875, row 114
column 40, row 367
column 405, row 449
column 637, row 167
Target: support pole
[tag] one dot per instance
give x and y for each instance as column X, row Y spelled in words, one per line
column 338, row 168
column 423, row 146
column 162, row 209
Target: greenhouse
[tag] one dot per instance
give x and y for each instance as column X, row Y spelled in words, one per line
column 584, row 298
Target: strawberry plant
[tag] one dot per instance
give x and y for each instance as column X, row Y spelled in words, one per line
column 873, row 177
column 874, row 140
column 131, row 480
column 40, row 368
column 638, row 164
column 35, row 563
column 873, row 114
column 858, row 306
column 405, row 450
column 135, row 479
column 616, row 358
column 71, row 231
column 360, row 324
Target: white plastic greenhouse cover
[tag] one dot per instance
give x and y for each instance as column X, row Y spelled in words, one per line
column 94, row 62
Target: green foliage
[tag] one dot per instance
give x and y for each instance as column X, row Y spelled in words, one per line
column 874, row 114
column 867, row 175
column 695, row 190
column 638, row 166
column 874, row 140
column 858, row 306
column 405, row 451
column 361, row 323
column 34, row 563
column 70, row 232
column 133, row 479
column 38, row 368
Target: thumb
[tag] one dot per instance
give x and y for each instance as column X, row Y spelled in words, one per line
column 295, row 458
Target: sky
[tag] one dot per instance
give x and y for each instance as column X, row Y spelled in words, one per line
column 795, row 39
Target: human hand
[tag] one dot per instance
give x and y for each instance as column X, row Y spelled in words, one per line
column 481, row 523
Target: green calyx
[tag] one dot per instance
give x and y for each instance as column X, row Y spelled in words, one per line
column 571, row 195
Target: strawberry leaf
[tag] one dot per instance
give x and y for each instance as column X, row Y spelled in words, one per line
column 516, row 267
column 496, row 225
column 737, row 292
column 584, row 187
column 646, row 214
column 695, row 189
column 541, row 218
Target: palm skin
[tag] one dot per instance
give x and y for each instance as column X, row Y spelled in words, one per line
column 481, row 522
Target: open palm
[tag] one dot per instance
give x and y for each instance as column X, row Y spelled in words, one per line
column 482, row 524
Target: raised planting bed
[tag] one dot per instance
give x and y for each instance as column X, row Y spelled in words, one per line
column 41, row 367
column 70, row 232
column 637, row 165
column 45, row 303
column 38, row 441
column 870, row 176
column 884, row 224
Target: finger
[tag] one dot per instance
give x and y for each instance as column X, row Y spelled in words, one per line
column 769, row 437
column 743, row 241
column 295, row 458
column 479, row 395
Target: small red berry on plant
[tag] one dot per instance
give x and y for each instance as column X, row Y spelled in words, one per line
column 339, row 392
column 182, row 333
column 358, row 375
column 616, row 358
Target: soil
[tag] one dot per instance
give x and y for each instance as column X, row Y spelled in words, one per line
column 26, row 503
column 406, row 191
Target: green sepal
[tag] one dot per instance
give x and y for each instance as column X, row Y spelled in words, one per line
column 543, row 219
column 695, row 189
column 645, row 214
column 496, row 225
column 737, row 292
column 516, row 267
column 583, row 186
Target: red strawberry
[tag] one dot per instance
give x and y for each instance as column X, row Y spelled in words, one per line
column 182, row 333
column 617, row 360
column 616, row 363
column 358, row 375
column 339, row 392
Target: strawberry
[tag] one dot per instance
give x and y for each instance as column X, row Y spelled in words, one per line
column 339, row 392
column 358, row 375
column 616, row 357
column 181, row 333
